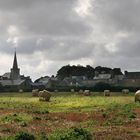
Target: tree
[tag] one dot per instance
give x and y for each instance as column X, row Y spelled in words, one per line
column 67, row 71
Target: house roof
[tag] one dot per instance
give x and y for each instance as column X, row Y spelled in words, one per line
column 37, row 84
column 132, row 75
column 7, row 75
column 12, row 82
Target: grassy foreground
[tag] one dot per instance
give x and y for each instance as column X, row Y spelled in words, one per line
column 114, row 117
column 63, row 102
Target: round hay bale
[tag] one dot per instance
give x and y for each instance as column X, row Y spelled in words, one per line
column 87, row 93
column 56, row 90
column 72, row 90
column 44, row 95
column 80, row 91
column 125, row 91
column 137, row 96
column 35, row 92
column 106, row 92
column 20, row 90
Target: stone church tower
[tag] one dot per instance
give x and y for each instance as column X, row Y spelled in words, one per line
column 15, row 71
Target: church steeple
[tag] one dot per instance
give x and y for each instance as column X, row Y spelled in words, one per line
column 15, row 71
column 15, row 65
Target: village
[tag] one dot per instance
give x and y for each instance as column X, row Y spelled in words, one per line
column 79, row 102
column 68, row 77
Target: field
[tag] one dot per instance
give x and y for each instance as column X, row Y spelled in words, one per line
column 106, row 118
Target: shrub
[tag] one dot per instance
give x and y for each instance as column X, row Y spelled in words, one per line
column 127, row 110
column 74, row 134
column 24, row 136
column 36, row 118
column 40, row 111
column 104, row 114
column 16, row 118
column 43, row 136
column 115, row 121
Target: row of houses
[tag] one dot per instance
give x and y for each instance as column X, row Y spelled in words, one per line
column 14, row 81
column 128, row 79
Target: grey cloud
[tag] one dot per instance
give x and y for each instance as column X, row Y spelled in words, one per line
column 113, row 17
column 45, row 17
column 57, row 49
column 129, row 47
column 51, row 32
column 54, row 20
column 9, row 5
column 72, row 51
column 5, row 47
column 121, row 14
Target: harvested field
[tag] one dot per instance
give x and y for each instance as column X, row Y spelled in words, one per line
column 114, row 117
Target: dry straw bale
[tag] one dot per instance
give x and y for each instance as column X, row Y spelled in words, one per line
column 56, row 90
column 35, row 92
column 44, row 95
column 87, row 93
column 125, row 91
column 106, row 92
column 20, row 90
column 72, row 90
column 137, row 96
column 81, row 91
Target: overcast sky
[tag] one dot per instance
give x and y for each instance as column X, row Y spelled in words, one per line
column 51, row 33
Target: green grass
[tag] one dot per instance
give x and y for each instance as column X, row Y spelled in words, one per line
column 62, row 102
column 17, row 118
column 21, row 109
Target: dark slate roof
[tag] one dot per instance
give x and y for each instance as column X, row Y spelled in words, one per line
column 7, row 75
column 12, row 82
column 37, row 84
column 133, row 75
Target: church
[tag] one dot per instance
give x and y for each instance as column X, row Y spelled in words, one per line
column 13, row 81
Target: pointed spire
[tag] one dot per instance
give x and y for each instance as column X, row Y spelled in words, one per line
column 15, row 71
column 15, row 65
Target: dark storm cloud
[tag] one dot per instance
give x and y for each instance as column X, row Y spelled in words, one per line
column 11, row 5
column 56, row 49
column 119, row 23
column 58, row 32
column 130, row 47
column 122, row 15
column 45, row 17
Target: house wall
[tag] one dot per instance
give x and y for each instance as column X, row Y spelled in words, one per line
column 130, row 83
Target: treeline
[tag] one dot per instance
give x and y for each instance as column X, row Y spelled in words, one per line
column 88, row 71
column 99, row 87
